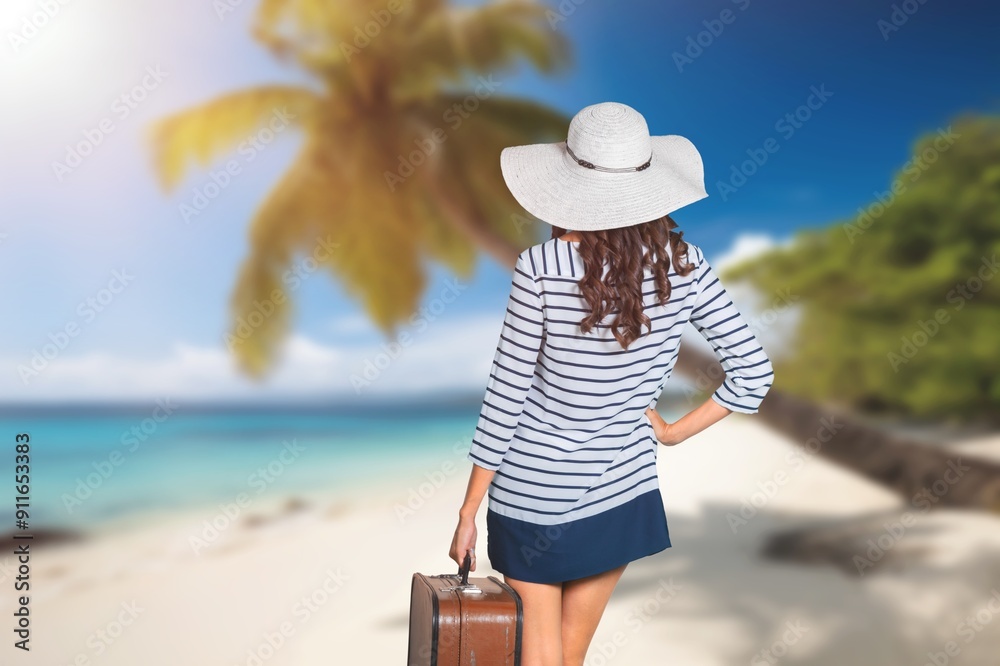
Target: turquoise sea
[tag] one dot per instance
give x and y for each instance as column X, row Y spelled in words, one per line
column 94, row 464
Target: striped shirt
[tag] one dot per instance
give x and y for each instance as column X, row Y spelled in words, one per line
column 563, row 420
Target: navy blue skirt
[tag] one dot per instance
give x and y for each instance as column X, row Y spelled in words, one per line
column 565, row 551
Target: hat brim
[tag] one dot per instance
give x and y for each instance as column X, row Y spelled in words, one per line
column 550, row 185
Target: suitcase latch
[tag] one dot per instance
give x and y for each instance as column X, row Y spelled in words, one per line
column 463, row 578
column 469, row 587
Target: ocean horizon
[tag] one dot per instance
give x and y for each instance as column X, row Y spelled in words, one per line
column 94, row 463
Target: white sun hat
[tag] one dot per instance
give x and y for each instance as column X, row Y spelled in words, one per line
column 609, row 173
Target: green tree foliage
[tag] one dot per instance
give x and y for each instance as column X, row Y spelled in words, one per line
column 900, row 306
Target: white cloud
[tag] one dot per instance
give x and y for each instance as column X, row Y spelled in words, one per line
column 745, row 246
column 449, row 355
column 772, row 317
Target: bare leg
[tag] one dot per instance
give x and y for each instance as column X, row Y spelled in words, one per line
column 583, row 604
column 541, row 643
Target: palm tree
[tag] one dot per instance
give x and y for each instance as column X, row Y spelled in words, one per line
column 400, row 158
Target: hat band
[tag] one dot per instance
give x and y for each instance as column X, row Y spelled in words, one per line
column 591, row 165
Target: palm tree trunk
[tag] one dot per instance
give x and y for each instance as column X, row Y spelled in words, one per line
column 910, row 468
column 472, row 226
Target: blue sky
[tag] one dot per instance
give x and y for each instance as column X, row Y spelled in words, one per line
column 64, row 236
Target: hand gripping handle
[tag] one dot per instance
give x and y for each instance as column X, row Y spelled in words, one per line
column 463, row 569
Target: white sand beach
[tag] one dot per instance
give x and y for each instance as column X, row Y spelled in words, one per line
column 328, row 582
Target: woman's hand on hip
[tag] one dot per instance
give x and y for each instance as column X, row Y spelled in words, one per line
column 665, row 432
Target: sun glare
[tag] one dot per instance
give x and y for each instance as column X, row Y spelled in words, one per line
column 57, row 52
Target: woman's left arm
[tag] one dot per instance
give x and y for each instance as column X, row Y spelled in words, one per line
column 465, row 534
column 479, row 480
column 510, row 379
column 513, row 368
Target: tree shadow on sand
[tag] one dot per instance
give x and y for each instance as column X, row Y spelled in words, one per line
column 781, row 571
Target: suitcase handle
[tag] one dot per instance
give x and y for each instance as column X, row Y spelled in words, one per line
column 463, row 569
column 463, row 575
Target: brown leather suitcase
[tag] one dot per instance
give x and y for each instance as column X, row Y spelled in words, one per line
column 460, row 621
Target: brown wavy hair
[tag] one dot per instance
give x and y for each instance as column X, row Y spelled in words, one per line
column 621, row 292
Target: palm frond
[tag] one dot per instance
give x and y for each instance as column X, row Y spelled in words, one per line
column 334, row 210
column 207, row 131
column 484, row 40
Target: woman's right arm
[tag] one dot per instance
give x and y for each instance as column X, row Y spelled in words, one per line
column 749, row 373
column 708, row 413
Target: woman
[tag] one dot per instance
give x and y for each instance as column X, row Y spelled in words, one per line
column 567, row 438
